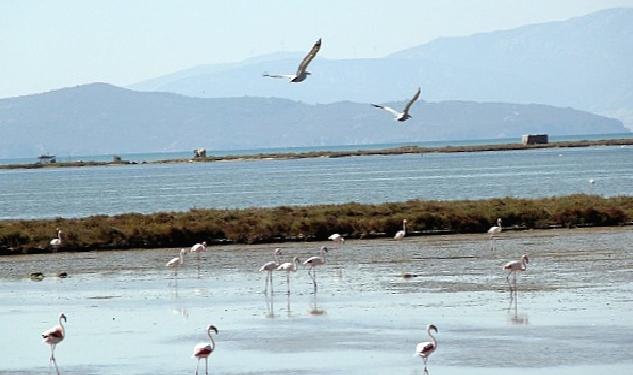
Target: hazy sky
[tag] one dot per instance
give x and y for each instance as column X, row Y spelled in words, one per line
column 52, row 44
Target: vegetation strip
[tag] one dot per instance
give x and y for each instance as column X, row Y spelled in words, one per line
column 337, row 154
column 310, row 223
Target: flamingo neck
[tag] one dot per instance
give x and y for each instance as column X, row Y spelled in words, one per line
column 404, row 227
column 62, row 326
column 524, row 263
column 432, row 338
column 212, row 342
column 323, row 256
column 181, row 259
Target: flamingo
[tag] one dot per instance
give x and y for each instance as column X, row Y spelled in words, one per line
column 176, row 262
column 204, row 350
column 289, row 267
column 57, row 242
column 515, row 266
column 404, row 115
column 313, row 262
column 425, row 349
column 401, row 233
column 199, row 248
column 270, row 267
column 494, row 230
column 302, row 72
column 54, row 336
column 337, row 238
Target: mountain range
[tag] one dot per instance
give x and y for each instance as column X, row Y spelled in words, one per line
column 583, row 62
column 101, row 119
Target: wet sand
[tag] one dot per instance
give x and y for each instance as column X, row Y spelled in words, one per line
column 127, row 314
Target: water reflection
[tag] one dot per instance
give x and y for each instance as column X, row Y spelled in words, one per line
column 315, row 310
column 513, row 310
column 270, row 308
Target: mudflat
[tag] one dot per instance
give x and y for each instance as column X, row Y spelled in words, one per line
column 128, row 314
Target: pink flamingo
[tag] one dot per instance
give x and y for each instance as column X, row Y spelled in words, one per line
column 57, row 242
column 493, row 231
column 337, row 238
column 515, row 266
column 176, row 262
column 199, row 248
column 270, row 267
column 401, row 233
column 204, row 350
column 315, row 262
column 425, row 349
column 289, row 267
column 54, row 336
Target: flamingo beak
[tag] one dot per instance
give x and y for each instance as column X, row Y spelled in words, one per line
column 63, row 317
column 212, row 328
column 433, row 327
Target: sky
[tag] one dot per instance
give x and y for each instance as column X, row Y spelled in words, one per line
column 52, row 44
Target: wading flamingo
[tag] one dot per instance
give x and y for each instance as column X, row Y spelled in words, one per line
column 337, row 238
column 315, row 262
column 199, row 248
column 54, row 336
column 175, row 263
column 270, row 267
column 401, row 233
column 57, row 242
column 204, row 350
column 515, row 266
column 494, row 231
column 302, row 70
column 404, row 115
column 425, row 349
column 289, row 267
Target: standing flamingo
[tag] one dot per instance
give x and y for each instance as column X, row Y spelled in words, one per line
column 175, row 263
column 494, row 230
column 199, row 248
column 315, row 262
column 401, row 233
column 289, row 267
column 270, row 267
column 425, row 349
column 515, row 266
column 204, row 350
column 54, row 336
column 57, row 242
column 337, row 238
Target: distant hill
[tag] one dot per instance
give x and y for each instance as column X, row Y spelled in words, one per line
column 584, row 62
column 101, row 119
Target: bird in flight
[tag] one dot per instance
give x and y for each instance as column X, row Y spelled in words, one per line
column 404, row 115
column 302, row 72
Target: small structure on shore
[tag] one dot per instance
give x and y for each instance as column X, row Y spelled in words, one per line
column 117, row 159
column 47, row 159
column 200, row 152
column 535, row 139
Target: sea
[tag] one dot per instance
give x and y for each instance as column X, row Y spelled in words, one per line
column 146, row 188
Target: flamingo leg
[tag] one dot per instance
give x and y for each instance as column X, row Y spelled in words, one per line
column 271, row 283
column 197, row 366
column 206, row 366
column 288, row 281
column 56, row 368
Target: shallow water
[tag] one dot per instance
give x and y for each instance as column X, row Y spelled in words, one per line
column 72, row 192
column 127, row 314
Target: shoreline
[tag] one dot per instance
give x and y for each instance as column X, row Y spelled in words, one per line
column 311, row 223
column 335, row 154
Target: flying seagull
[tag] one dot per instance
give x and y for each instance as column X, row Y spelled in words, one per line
column 404, row 115
column 302, row 72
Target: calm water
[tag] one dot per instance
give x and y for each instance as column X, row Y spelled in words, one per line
column 126, row 314
column 72, row 192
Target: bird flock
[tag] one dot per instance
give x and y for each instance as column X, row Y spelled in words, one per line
column 203, row 350
column 302, row 74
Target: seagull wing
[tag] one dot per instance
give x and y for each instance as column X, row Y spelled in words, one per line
column 278, row 76
column 408, row 106
column 306, row 60
column 388, row 109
